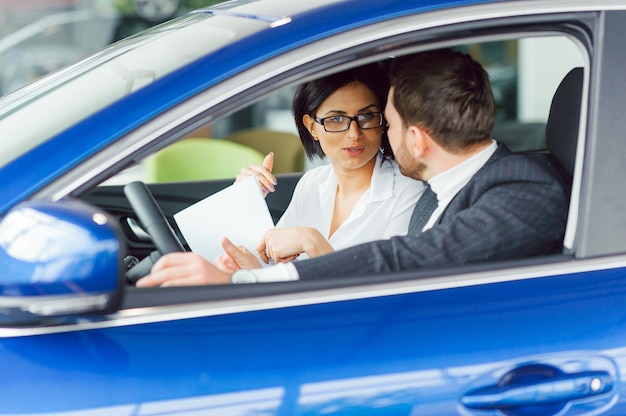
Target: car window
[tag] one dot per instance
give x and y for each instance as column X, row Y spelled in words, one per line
column 108, row 76
column 525, row 73
column 42, row 37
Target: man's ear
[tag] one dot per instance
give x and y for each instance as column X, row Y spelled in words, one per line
column 418, row 140
column 309, row 123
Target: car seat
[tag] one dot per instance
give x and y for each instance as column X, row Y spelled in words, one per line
column 563, row 121
column 287, row 148
column 195, row 159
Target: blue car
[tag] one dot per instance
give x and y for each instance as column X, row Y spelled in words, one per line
column 537, row 336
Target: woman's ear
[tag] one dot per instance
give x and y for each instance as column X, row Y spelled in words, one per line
column 309, row 123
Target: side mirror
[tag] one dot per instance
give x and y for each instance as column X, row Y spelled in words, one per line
column 58, row 259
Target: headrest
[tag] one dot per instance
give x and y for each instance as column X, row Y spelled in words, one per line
column 564, row 119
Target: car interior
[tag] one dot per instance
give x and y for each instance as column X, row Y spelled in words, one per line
column 539, row 107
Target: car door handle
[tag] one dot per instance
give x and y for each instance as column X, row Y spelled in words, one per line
column 538, row 385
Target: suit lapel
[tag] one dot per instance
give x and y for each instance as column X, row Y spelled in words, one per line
column 453, row 207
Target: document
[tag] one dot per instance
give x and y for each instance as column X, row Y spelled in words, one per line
column 238, row 212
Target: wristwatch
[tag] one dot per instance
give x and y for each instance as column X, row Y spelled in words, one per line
column 243, row 276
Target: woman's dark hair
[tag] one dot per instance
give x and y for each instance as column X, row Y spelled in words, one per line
column 310, row 95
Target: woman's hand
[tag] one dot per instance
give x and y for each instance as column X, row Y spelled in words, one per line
column 263, row 173
column 286, row 243
column 235, row 258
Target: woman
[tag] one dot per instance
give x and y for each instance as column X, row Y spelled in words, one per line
column 361, row 195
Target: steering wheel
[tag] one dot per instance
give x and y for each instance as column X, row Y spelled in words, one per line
column 155, row 223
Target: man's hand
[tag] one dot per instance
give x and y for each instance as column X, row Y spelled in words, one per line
column 284, row 244
column 235, row 258
column 183, row 269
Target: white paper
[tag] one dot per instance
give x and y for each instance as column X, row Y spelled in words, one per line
column 238, row 212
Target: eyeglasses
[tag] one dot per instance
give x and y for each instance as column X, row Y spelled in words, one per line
column 342, row 123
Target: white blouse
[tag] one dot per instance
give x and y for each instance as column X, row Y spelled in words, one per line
column 383, row 211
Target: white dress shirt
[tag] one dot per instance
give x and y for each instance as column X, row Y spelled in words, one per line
column 383, row 211
column 445, row 185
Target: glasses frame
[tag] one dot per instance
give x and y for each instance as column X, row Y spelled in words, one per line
column 320, row 121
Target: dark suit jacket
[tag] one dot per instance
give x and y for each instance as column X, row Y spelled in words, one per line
column 515, row 206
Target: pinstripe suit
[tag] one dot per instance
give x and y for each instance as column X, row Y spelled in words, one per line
column 515, row 206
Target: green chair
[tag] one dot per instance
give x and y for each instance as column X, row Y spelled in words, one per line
column 196, row 159
column 287, row 148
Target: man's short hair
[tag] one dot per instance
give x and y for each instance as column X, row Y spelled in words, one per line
column 448, row 94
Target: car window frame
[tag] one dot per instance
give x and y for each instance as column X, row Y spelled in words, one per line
column 153, row 136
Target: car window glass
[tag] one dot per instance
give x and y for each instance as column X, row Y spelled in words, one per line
column 92, row 85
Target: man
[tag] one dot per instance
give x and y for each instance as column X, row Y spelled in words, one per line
column 489, row 204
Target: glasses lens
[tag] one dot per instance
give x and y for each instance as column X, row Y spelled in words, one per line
column 369, row 120
column 336, row 123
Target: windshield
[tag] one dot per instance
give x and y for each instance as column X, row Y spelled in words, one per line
column 32, row 114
